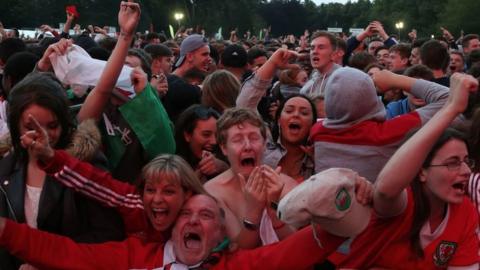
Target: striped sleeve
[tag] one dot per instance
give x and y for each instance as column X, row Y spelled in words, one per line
column 92, row 182
column 473, row 189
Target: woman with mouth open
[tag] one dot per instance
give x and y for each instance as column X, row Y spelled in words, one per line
column 424, row 220
column 195, row 136
column 150, row 208
column 294, row 119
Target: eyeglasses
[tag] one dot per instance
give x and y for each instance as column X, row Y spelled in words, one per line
column 456, row 164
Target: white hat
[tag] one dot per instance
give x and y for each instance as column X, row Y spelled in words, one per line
column 328, row 199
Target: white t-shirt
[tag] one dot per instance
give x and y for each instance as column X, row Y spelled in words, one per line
column 32, row 200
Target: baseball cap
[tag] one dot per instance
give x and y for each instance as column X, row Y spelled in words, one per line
column 328, row 199
column 190, row 44
column 234, row 56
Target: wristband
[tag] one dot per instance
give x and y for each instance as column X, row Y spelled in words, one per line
column 250, row 225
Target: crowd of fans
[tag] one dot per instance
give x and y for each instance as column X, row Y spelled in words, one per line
column 318, row 152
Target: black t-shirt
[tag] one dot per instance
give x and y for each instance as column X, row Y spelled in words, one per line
column 445, row 81
column 180, row 96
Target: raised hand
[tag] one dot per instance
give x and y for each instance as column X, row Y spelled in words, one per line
column 160, row 83
column 370, row 30
column 46, row 28
column 273, row 182
column 70, row 17
column 377, row 28
column 446, row 34
column 461, row 85
column 99, row 30
column 77, row 28
column 139, row 79
column 36, row 141
column 210, row 165
column 413, row 34
column 128, row 17
column 255, row 191
column 281, row 58
column 383, row 80
column 363, row 190
column 59, row 48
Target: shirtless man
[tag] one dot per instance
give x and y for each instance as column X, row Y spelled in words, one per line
column 248, row 191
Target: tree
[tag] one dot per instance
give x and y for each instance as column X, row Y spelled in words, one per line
column 461, row 15
column 284, row 16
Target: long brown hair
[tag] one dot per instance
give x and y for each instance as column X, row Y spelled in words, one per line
column 220, row 90
column 422, row 205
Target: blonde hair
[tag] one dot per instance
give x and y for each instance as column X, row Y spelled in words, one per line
column 220, row 90
column 171, row 168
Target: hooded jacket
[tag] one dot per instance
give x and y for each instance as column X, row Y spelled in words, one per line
column 355, row 133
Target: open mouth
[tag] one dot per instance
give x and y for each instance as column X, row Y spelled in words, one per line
column 159, row 212
column 460, row 186
column 192, row 240
column 295, row 126
column 250, row 161
column 208, row 148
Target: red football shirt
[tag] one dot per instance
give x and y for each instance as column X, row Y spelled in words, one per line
column 385, row 242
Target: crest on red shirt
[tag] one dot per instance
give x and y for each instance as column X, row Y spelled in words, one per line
column 444, row 252
column 343, row 200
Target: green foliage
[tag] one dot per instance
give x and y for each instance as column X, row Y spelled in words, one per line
column 461, row 14
column 284, row 16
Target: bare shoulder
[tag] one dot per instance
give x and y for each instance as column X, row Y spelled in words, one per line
column 289, row 183
column 219, row 186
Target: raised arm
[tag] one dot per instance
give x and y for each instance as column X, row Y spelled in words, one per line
column 81, row 176
column 67, row 25
column 59, row 48
column 48, row 28
column 255, row 87
column 435, row 95
column 128, row 18
column 402, row 167
column 49, row 251
column 299, row 251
